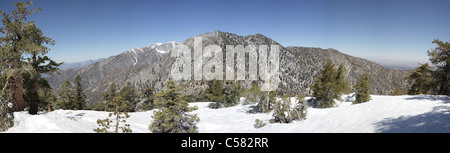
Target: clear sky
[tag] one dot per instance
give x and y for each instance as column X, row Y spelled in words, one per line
column 399, row 30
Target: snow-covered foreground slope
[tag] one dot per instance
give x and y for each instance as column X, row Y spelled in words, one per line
column 421, row 113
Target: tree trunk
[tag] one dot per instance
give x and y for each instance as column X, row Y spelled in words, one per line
column 34, row 99
column 18, row 101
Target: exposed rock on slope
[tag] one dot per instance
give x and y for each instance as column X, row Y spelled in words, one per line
column 298, row 67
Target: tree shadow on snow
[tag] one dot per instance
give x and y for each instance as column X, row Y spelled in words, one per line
column 435, row 121
column 445, row 99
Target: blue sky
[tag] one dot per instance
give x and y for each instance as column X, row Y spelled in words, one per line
column 398, row 30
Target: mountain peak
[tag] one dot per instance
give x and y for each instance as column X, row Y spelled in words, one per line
column 225, row 38
column 164, row 48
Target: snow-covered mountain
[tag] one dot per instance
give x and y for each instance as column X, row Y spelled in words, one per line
column 383, row 114
column 128, row 60
column 298, row 67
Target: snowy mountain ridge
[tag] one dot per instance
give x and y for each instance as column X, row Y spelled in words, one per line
column 298, row 67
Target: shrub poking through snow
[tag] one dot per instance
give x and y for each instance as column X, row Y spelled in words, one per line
column 6, row 115
column 259, row 124
column 285, row 113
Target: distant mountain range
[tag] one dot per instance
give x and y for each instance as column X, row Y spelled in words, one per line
column 398, row 64
column 298, row 67
column 79, row 65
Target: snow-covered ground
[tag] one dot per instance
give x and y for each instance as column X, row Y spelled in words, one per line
column 422, row 113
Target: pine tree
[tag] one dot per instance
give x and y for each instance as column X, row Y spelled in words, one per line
column 23, row 50
column 342, row 85
column 421, row 80
column 253, row 94
column 147, row 93
column 115, row 106
column 109, row 95
column 282, row 107
column 263, row 99
column 398, row 91
column 79, row 97
column 215, row 94
column 66, row 96
column 128, row 93
column 440, row 57
column 14, row 44
column 172, row 115
column 324, row 88
column 232, row 94
column 362, row 89
column 300, row 109
column 48, row 99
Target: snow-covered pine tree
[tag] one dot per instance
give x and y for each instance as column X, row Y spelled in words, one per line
column 172, row 115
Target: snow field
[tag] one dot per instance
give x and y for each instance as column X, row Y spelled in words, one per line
column 421, row 113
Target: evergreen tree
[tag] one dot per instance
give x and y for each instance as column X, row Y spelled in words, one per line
column 128, row 93
column 48, row 99
column 79, row 97
column 172, row 116
column 263, row 99
column 300, row 109
column 398, row 91
column 111, row 93
column 324, row 87
column 421, row 80
column 23, row 50
column 253, row 94
column 281, row 107
column 223, row 96
column 342, row 85
column 232, row 94
column 362, row 89
column 440, row 57
column 115, row 106
column 148, row 95
column 215, row 94
column 15, row 43
column 66, row 96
